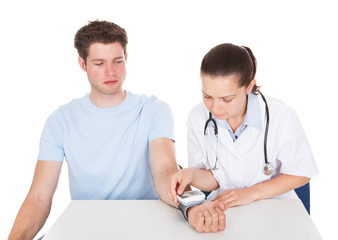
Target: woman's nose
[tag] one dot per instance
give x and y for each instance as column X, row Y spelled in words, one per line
column 217, row 107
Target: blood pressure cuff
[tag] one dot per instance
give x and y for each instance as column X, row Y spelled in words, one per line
column 184, row 210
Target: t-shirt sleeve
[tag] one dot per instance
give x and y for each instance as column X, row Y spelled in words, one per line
column 51, row 141
column 294, row 150
column 162, row 121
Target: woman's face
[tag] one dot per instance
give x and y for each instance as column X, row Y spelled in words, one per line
column 223, row 97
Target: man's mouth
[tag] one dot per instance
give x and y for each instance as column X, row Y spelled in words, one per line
column 110, row 82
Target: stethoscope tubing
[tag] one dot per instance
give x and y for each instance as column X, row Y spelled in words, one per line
column 268, row 168
column 266, row 128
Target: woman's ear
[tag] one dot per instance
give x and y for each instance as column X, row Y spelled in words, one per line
column 250, row 87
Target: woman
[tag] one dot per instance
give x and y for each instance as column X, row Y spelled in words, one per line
column 228, row 131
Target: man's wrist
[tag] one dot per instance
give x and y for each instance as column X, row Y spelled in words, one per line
column 188, row 210
column 189, row 199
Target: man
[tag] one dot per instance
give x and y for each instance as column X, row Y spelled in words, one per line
column 118, row 145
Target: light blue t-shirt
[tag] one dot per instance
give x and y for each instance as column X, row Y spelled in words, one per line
column 107, row 150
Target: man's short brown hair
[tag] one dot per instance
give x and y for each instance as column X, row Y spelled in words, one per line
column 99, row 32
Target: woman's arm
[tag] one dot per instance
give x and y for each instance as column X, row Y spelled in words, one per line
column 199, row 178
column 271, row 188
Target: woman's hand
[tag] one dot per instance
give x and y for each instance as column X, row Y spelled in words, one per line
column 237, row 197
column 208, row 217
column 179, row 181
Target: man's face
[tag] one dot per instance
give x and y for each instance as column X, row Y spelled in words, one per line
column 106, row 68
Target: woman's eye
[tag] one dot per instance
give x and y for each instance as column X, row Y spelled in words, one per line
column 227, row 100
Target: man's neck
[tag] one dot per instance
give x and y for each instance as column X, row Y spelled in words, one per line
column 107, row 100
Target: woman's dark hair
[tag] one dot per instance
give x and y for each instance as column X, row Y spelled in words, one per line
column 228, row 59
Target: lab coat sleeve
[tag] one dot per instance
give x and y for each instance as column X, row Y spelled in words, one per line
column 196, row 157
column 294, row 152
column 196, row 148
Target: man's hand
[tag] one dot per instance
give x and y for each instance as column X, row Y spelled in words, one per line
column 208, row 217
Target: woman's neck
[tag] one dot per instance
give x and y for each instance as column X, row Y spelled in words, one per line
column 237, row 120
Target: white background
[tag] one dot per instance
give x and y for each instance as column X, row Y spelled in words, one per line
column 295, row 43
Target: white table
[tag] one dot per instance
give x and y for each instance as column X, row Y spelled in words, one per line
column 152, row 219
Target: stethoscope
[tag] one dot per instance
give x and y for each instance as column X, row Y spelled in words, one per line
column 268, row 168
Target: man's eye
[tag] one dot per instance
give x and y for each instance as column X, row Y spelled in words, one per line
column 98, row 64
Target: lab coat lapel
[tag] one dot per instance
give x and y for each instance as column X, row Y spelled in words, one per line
column 248, row 137
column 227, row 142
column 253, row 135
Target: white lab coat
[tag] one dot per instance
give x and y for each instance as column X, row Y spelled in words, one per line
column 240, row 163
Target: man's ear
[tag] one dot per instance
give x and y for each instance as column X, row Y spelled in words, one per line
column 126, row 56
column 82, row 64
column 250, row 87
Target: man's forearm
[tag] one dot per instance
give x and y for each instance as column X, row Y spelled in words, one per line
column 30, row 219
column 163, row 165
column 161, row 187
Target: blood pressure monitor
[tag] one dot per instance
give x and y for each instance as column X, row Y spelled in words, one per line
column 189, row 199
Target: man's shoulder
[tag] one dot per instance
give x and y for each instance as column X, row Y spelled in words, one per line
column 150, row 102
column 76, row 102
column 71, row 106
column 144, row 97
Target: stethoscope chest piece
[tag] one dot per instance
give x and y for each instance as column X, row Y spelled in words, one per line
column 268, row 169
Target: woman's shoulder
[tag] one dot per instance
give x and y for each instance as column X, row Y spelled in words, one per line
column 198, row 110
column 278, row 106
column 198, row 115
column 280, row 112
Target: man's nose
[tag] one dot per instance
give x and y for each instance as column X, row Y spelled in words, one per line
column 110, row 70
